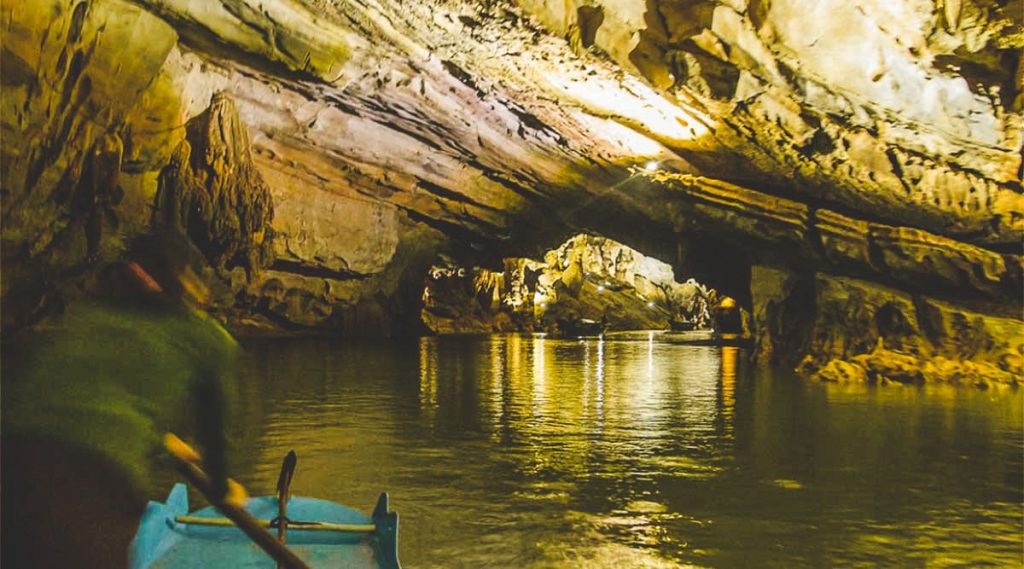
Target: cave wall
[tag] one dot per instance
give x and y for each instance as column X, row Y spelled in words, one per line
column 874, row 141
column 369, row 148
column 832, row 295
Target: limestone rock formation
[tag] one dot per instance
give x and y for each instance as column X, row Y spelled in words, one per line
column 587, row 277
column 887, row 335
column 212, row 191
column 913, row 257
column 904, row 111
column 831, row 324
column 67, row 90
column 792, row 145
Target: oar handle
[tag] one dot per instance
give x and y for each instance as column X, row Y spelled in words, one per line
column 188, row 461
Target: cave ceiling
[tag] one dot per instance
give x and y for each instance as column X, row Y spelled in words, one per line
column 475, row 115
column 873, row 136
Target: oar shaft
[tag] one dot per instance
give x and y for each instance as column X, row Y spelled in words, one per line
column 245, row 522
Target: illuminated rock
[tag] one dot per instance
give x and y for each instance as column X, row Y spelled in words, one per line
column 586, row 278
column 878, row 140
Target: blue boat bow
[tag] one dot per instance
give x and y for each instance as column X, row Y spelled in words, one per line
column 320, row 532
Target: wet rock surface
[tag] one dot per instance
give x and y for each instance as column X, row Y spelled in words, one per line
column 915, row 258
column 816, row 91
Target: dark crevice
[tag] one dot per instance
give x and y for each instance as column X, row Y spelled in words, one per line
column 813, row 235
column 207, row 45
column 463, row 77
column 77, row 22
column 411, row 133
column 343, row 105
column 458, row 233
column 531, row 121
column 297, row 268
column 928, row 320
column 281, row 320
column 897, row 169
column 590, row 19
column 503, row 180
column 453, row 195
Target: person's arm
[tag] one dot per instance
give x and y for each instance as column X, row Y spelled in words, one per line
column 211, row 407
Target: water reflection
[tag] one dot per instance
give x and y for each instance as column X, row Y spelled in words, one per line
column 428, row 374
column 518, row 451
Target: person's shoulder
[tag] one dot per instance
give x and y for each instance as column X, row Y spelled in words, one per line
column 209, row 334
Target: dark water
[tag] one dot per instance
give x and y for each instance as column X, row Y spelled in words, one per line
column 510, row 451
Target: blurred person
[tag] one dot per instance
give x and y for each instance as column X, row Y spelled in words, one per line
column 86, row 403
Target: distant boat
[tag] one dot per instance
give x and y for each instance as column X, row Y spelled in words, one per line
column 682, row 325
column 694, row 337
column 581, row 327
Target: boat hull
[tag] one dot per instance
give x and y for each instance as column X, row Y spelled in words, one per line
column 166, row 543
column 580, row 328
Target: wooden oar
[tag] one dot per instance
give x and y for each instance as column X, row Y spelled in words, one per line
column 295, row 525
column 284, row 482
column 231, row 504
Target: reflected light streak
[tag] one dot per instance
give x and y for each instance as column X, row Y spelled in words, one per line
column 538, row 374
column 600, row 375
column 514, row 358
column 730, row 355
column 428, row 373
column 650, row 356
column 498, row 363
column 586, row 374
column 700, row 387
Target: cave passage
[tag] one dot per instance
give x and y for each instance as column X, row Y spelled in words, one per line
column 580, row 283
column 587, row 286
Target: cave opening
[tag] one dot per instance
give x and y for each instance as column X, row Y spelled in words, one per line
column 587, row 285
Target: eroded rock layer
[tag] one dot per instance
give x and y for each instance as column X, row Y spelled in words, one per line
column 907, row 111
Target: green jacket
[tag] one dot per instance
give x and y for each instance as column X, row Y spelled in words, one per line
column 114, row 381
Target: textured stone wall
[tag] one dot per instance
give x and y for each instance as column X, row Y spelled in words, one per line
column 834, row 295
column 67, row 94
column 865, row 331
column 904, row 111
column 213, row 193
column 875, row 140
